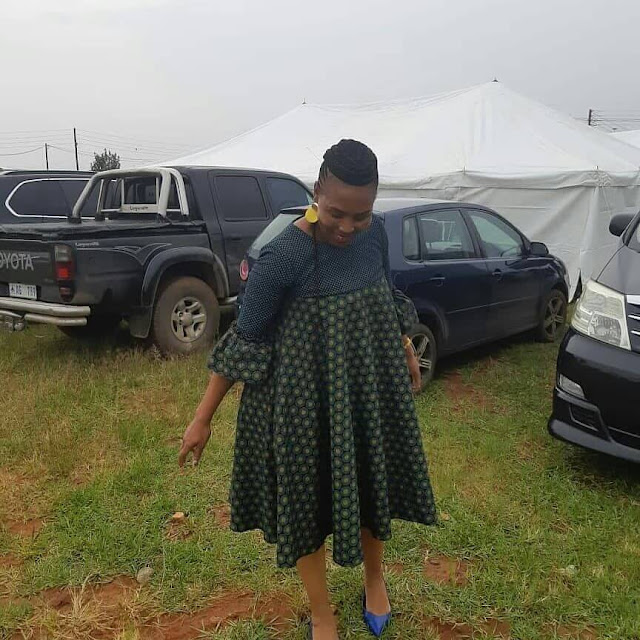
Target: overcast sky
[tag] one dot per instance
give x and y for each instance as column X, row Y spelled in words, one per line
column 153, row 78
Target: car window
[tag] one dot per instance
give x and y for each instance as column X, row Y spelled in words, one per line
column 138, row 196
column 634, row 241
column 410, row 239
column 285, row 193
column 279, row 224
column 240, row 198
column 498, row 239
column 39, row 198
column 444, row 236
column 72, row 190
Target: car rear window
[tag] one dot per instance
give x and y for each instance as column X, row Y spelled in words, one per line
column 279, row 224
column 39, row 198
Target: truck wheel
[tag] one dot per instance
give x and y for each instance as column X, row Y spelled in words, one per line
column 427, row 350
column 554, row 317
column 186, row 316
column 99, row 326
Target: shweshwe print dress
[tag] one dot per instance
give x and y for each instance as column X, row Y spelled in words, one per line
column 327, row 438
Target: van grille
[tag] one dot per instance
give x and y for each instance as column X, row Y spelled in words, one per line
column 633, row 320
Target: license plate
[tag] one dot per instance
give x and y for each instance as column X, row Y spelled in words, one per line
column 28, row 291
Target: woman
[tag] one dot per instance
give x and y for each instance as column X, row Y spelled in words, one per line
column 327, row 439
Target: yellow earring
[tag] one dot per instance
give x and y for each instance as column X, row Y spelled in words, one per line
column 311, row 214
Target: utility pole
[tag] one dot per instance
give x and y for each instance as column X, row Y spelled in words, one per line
column 589, row 120
column 46, row 155
column 75, row 144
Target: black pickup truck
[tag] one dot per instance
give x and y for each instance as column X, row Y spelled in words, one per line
column 162, row 252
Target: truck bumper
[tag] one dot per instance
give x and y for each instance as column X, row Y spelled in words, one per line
column 16, row 313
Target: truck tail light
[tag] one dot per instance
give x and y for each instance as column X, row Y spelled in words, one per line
column 65, row 268
column 244, row 270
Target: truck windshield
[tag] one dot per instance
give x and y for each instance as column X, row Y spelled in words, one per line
column 634, row 238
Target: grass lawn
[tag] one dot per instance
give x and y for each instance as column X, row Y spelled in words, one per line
column 537, row 539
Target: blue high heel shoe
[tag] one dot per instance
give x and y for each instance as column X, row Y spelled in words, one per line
column 376, row 624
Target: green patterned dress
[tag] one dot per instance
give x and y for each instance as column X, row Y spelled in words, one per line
column 327, row 439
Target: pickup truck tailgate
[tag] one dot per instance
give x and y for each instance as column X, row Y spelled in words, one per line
column 26, row 262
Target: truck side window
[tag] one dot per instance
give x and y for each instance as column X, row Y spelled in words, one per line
column 285, row 193
column 240, row 198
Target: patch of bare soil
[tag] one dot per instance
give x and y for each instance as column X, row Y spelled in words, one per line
column 570, row 632
column 178, row 527
column 530, row 450
column 157, row 401
column 9, row 561
column 397, row 568
column 107, row 595
column 462, row 631
column 275, row 610
column 222, row 515
column 446, row 570
column 464, row 393
column 25, row 529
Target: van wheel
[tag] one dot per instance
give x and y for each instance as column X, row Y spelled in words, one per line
column 554, row 317
column 186, row 317
column 427, row 350
column 100, row 326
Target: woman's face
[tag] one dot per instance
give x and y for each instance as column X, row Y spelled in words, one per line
column 343, row 210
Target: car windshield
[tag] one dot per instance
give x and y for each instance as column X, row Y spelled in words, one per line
column 278, row 225
column 634, row 238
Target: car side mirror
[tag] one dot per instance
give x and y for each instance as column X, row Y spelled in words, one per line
column 539, row 250
column 619, row 223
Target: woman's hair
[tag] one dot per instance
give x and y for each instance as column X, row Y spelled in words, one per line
column 352, row 162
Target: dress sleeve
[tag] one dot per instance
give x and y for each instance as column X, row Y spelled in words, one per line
column 405, row 309
column 244, row 353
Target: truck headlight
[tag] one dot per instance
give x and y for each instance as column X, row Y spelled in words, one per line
column 600, row 314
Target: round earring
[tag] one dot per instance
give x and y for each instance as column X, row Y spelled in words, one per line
column 311, row 214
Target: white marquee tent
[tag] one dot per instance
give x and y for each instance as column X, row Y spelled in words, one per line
column 555, row 178
column 630, row 137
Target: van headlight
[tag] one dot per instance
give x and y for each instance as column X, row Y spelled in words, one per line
column 600, row 314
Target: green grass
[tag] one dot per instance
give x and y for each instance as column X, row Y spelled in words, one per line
column 89, row 438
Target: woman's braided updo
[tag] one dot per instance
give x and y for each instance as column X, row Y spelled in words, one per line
column 352, row 162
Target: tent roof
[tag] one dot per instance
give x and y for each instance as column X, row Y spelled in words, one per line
column 485, row 135
column 630, row 137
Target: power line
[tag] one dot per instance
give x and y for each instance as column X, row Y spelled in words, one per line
column 136, row 141
column 128, row 146
column 22, row 153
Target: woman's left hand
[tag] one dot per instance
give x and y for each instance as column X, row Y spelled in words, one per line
column 414, row 369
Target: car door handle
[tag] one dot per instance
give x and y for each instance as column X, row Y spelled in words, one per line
column 497, row 274
column 437, row 280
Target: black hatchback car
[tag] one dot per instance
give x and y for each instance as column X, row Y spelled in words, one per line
column 473, row 277
column 598, row 383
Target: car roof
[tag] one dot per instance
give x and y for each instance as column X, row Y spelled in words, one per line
column 244, row 170
column 28, row 173
column 389, row 206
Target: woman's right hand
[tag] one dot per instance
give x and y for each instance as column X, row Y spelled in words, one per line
column 194, row 440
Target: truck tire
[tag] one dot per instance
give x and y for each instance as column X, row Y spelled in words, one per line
column 427, row 350
column 99, row 326
column 186, row 316
column 553, row 318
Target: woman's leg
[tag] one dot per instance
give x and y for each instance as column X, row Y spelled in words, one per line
column 313, row 573
column 375, row 589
